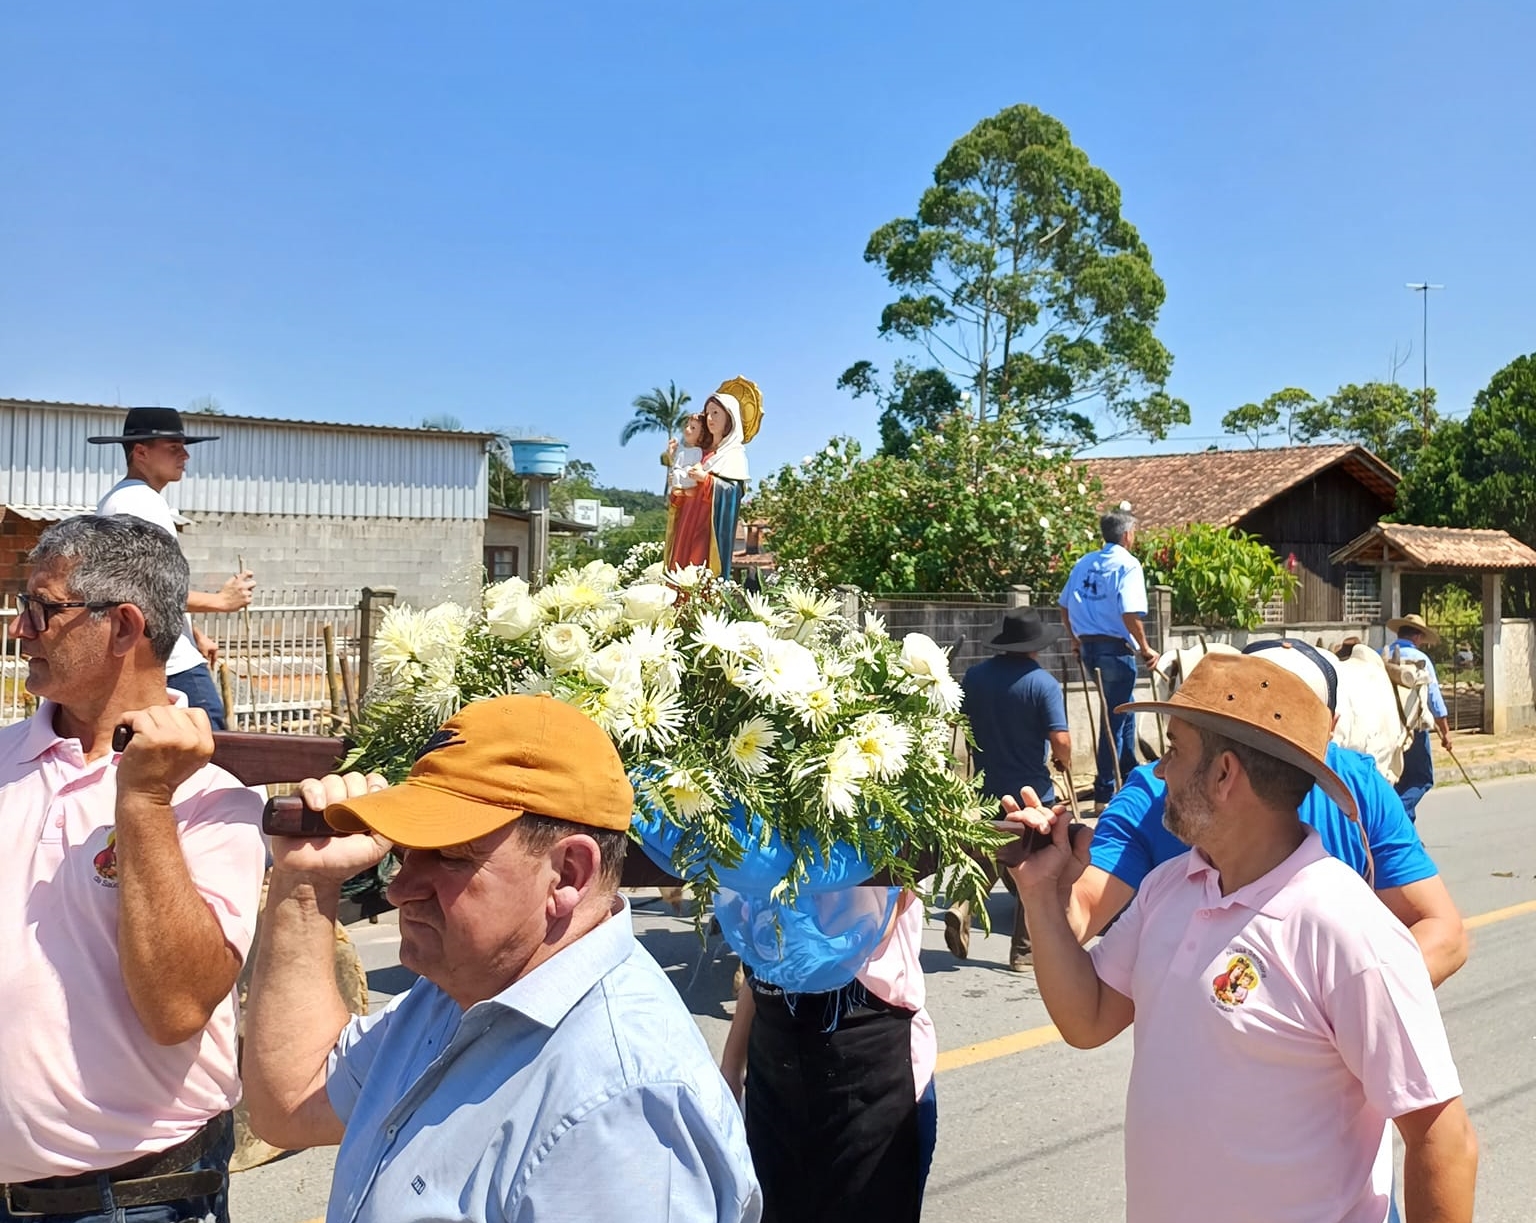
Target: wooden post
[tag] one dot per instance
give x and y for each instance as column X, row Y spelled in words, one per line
column 333, row 675
column 1391, row 593
column 1495, row 708
column 227, row 691
column 852, row 609
column 349, row 689
column 250, row 649
column 1162, row 615
column 375, row 601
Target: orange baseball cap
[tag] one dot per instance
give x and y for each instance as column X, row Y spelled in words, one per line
column 491, row 763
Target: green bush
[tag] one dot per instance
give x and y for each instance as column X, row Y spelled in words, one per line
column 1221, row 577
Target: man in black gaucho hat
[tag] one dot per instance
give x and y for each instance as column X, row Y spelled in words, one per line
column 155, row 443
column 1018, row 718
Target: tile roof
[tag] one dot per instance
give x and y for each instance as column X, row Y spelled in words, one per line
column 1437, row 548
column 1221, row 486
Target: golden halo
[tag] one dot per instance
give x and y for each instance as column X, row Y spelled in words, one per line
column 751, row 401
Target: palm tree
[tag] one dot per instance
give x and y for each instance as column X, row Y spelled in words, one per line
column 657, row 411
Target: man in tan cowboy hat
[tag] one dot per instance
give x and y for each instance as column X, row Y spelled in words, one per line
column 1417, row 778
column 1285, row 1084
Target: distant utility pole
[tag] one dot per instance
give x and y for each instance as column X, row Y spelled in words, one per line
column 1423, row 288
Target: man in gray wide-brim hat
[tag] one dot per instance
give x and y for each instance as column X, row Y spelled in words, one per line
column 155, row 443
column 1018, row 718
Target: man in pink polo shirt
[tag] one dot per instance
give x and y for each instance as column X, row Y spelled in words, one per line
column 1281, row 1014
column 129, row 884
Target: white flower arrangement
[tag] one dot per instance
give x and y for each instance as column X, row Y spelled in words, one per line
column 714, row 696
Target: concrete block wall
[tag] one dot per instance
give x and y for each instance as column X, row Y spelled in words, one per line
column 1518, row 682
column 426, row 559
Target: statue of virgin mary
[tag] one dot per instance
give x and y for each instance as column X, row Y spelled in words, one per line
column 701, row 521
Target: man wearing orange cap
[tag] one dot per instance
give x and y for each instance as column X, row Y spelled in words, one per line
column 544, row 1067
column 1285, row 1084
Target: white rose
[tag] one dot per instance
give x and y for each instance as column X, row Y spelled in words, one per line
column 565, row 646
column 513, row 617
column 922, row 658
column 647, row 602
column 616, row 665
column 653, row 572
column 512, row 588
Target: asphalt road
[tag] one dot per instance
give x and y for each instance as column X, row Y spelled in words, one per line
column 1030, row 1129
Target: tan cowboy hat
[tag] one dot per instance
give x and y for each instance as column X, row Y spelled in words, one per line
column 1415, row 622
column 1263, row 706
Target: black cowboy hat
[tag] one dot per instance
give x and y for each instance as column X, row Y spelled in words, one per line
column 147, row 424
column 1024, row 632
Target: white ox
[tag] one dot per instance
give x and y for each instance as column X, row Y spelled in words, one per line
column 1368, row 717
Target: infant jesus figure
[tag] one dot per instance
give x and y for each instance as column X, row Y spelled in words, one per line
column 682, row 460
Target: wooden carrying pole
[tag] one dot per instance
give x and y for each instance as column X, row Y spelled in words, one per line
column 250, row 648
column 1114, row 748
column 349, row 688
column 333, row 675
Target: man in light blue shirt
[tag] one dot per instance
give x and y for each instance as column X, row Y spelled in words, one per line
column 1103, row 605
column 544, row 1067
column 1418, row 773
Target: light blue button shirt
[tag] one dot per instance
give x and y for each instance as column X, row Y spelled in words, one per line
column 583, row 1091
column 1409, row 652
column 1104, row 586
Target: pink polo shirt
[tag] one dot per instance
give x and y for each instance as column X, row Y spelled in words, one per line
column 1277, row 1030
column 894, row 974
column 82, row 1086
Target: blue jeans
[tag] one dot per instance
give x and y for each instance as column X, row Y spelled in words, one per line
column 212, row 1209
column 198, row 686
column 1418, row 775
column 1117, row 667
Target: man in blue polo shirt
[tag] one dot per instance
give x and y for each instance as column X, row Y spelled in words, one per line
column 1130, row 838
column 1103, row 605
column 1418, row 775
column 1018, row 718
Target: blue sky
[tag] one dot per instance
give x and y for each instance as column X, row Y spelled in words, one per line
column 525, row 214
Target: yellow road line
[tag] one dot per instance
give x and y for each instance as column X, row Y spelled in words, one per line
column 1033, row 1038
column 1497, row 915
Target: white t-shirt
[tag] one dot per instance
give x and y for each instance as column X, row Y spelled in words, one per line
column 135, row 498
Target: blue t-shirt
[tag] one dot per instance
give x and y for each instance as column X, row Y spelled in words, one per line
column 1013, row 704
column 1130, row 838
column 1104, row 587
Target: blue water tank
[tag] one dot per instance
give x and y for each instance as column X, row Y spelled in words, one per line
column 538, row 456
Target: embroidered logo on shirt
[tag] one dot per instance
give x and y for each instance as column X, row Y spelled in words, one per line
column 1244, row 973
column 106, row 862
column 419, row 1185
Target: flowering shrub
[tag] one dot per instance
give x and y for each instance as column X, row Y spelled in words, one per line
column 712, row 695
column 1221, row 577
column 973, row 505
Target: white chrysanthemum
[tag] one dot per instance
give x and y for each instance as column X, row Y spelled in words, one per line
column 735, row 672
column 686, row 792
column 884, row 743
column 656, row 648
column 651, row 719
column 714, row 634
column 399, row 642
column 874, row 625
column 689, row 578
column 754, row 638
column 647, row 602
column 601, row 622
column 748, row 748
column 784, row 669
column 605, row 706
column 616, row 665
column 565, row 646
column 439, row 692
column 815, row 708
column 836, row 666
column 443, row 629
column 845, row 768
column 762, row 610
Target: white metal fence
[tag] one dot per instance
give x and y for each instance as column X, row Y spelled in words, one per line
column 272, row 665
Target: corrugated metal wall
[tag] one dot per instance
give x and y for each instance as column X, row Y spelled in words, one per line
column 256, row 467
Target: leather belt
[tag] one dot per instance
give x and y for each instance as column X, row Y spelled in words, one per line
column 146, row 1181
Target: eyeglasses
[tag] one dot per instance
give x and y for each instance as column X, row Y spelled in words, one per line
column 38, row 612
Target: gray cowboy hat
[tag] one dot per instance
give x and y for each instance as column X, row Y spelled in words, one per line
column 148, row 424
column 1024, row 632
